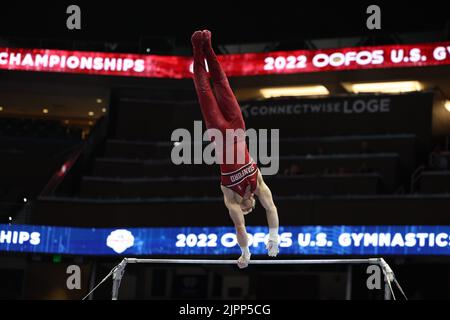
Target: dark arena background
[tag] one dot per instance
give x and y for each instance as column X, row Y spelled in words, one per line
column 91, row 94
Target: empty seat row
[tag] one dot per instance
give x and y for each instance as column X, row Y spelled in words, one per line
column 362, row 210
column 434, row 182
column 39, row 128
column 402, row 144
column 383, row 164
column 210, row 186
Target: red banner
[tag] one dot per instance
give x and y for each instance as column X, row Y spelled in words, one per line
column 251, row 64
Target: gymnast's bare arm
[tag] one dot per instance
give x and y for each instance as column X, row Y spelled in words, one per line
column 237, row 215
column 232, row 202
column 265, row 198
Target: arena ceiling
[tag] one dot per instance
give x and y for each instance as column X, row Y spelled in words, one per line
column 231, row 21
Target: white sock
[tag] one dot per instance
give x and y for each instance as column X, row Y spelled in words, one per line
column 245, row 251
column 273, row 234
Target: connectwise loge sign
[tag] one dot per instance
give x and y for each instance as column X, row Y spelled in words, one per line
column 235, row 65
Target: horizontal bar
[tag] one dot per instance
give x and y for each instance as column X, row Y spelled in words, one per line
column 194, row 261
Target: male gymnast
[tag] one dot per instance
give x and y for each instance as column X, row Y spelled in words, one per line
column 241, row 180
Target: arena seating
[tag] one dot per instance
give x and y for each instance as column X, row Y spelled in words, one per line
column 309, row 210
column 31, row 151
column 131, row 179
column 435, row 176
column 435, row 182
column 37, row 128
column 168, row 187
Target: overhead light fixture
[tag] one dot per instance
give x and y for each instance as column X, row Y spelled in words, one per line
column 1, row 108
column 316, row 90
column 383, row 87
column 91, row 113
column 99, row 100
column 103, row 110
column 45, row 110
column 447, row 105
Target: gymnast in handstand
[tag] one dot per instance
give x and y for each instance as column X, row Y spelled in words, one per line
column 240, row 178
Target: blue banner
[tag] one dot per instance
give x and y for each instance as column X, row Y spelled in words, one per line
column 298, row 240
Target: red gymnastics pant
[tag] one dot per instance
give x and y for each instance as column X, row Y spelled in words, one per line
column 221, row 111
